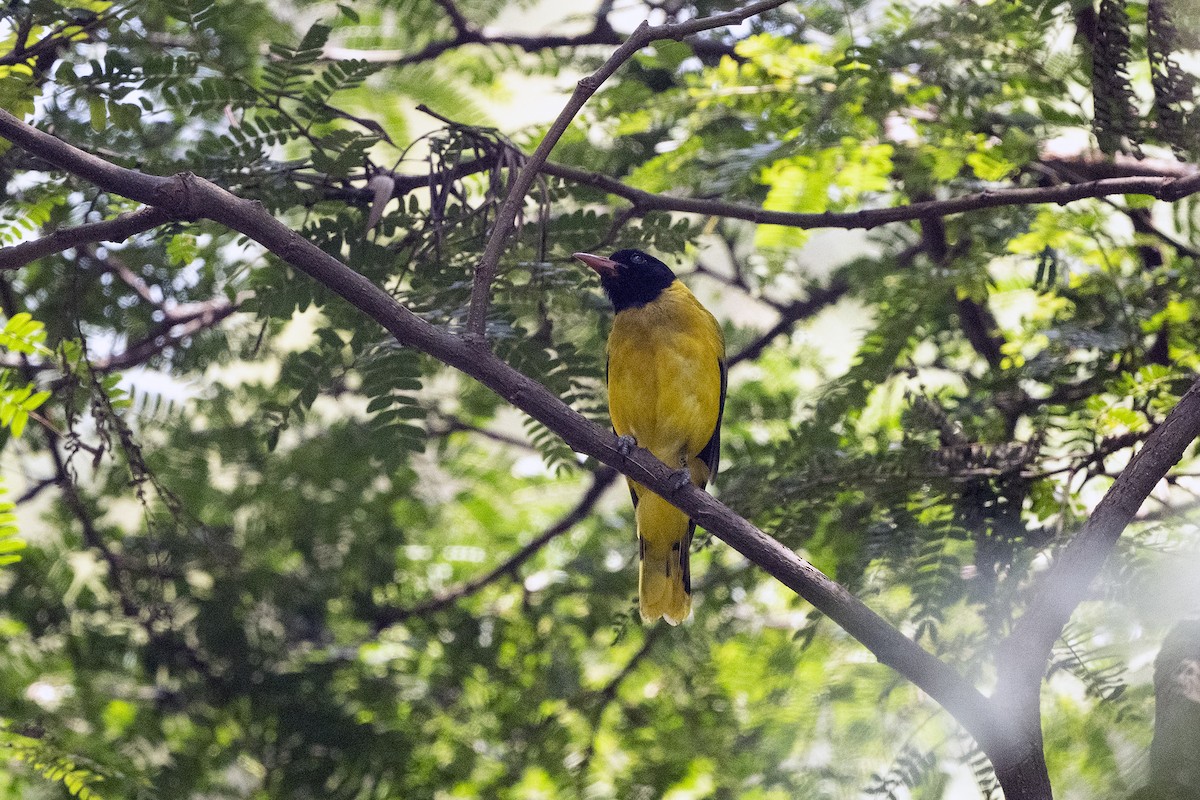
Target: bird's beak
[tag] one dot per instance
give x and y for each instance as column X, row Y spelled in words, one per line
column 606, row 267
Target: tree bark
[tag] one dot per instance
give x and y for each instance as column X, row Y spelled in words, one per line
column 1025, row 779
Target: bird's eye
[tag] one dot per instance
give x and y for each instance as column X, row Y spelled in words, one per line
column 638, row 260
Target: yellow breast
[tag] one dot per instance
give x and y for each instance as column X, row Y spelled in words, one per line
column 664, row 376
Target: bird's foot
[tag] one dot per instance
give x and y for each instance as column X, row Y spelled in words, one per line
column 626, row 445
column 679, row 479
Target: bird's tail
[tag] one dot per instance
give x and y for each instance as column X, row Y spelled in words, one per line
column 665, row 579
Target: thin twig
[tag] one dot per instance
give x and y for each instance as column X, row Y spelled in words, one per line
column 36, row 488
column 115, row 265
column 1168, row 188
column 817, row 300
column 1163, row 187
column 455, row 424
column 169, row 333
column 602, row 479
column 465, row 33
column 507, row 214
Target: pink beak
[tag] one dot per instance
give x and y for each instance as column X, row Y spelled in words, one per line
column 605, row 266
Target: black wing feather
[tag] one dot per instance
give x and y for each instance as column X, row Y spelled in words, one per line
column 711, row 454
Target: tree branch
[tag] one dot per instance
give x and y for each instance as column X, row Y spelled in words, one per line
column 177, row 324
column 91, row 534
column 1087, row 167
column 602, row 479
column 453, row 424
column 1168, row 187
column 55, row 39
column 36, row 488
column 116, row 266
column 187, row 196
column 1023, row 656
column 117, row 229
column 173, row 329
column 1161, row 188
column 818, row 300
column 506, row 215
column 465, row 33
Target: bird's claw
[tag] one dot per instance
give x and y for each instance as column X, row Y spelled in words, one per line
column 679, row 479
column 626, row 445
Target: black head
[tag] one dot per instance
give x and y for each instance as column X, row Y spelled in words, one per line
column 630, row 278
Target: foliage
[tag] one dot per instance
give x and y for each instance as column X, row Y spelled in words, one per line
column 254, row 537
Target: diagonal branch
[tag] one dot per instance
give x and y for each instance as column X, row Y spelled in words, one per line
column 461, row 26
column 187, row 196
column 116, row 229
column 506, row 215
column 454, row 424
column 177, row 326
column 116, row 266
column 603, row 479
column 1023, row 657
column 817, row 301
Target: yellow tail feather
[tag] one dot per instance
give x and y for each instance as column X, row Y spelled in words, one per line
column 664, row 581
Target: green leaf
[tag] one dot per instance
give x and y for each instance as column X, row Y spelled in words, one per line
column 98, row 108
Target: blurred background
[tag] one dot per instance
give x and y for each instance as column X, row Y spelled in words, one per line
column 255, row 549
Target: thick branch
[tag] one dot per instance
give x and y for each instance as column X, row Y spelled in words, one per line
column 117, row 229
column 600, row 482
column 1026, row 652
column 506, row 215
column 187, row 195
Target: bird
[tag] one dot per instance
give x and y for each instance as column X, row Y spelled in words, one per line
column 667, row 381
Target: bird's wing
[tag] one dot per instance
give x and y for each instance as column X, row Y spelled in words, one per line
column 711, row 454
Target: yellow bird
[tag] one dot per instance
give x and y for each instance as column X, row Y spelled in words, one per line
column 666, row 393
